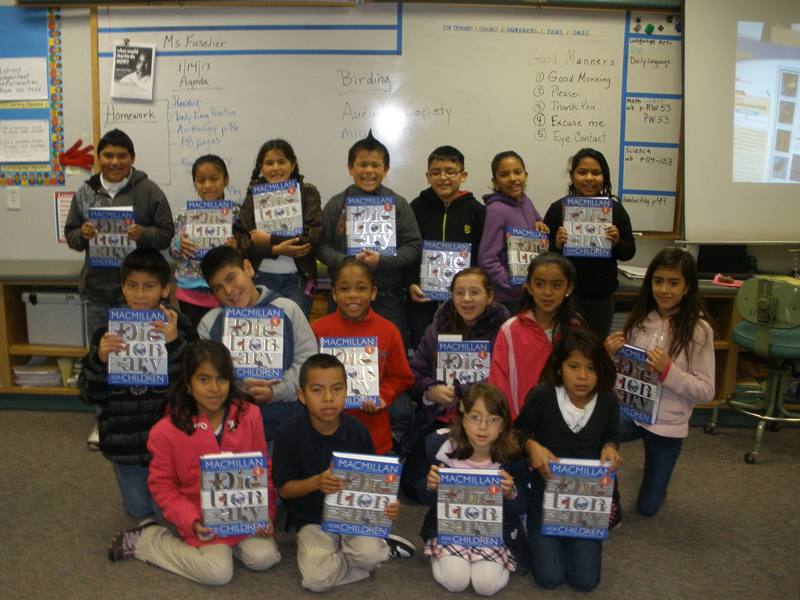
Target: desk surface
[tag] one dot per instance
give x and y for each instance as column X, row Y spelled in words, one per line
column 44, row 270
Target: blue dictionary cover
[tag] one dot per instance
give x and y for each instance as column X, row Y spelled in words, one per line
column 278, row 208
column 586, row 220
column 637, row 386
column 469, row 508
column 370, row 483
column 255, row 338
column 464, row 361
column 522, row 246
column 144, row 362
column 371, row 224
column 440, row 262
column 234, row 493
column 209, row 224
column 359, row 355
column 111, row 245
column 577, row 500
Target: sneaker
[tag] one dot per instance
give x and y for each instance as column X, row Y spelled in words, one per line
column 123, row 544
column 615, row 518
column 400, row 547
column 93, row 441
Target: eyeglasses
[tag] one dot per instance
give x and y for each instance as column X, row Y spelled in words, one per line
column 447, row 173
column 461, row 294
column 477, row 420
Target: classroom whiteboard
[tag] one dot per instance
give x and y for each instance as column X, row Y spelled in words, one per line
column 484, row 79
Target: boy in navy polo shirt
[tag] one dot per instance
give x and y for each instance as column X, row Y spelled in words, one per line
column 302, row 474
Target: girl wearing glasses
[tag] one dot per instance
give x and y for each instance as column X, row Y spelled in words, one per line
column 471, row 313
column 573, row 413
column 479, row 438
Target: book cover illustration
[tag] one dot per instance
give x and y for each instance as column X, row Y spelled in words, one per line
column 462, row 361
column 359, row 355
column 522, row 246
column 208, row 224
column 278, row 208
column 577, row 500
column 370, row 483
column 109, row 247
column 469, row 508
column 440, row 262
column 371, row 224
column 255, row 338
column 234, row 493
column 637, row 386
column 144, row 361
column 586, row 220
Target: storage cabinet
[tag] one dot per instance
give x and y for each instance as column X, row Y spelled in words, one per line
column 16, row 278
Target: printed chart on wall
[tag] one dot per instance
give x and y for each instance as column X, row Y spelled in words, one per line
column 543, row 82
column 31, row 109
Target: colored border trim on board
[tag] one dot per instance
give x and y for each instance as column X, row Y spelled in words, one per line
column 51, row 173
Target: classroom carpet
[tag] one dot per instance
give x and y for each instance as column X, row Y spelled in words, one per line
column 727, row 530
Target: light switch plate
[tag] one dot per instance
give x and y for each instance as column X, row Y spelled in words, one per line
column 13, row 198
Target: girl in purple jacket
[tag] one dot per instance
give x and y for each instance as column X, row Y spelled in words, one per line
column 507, row 206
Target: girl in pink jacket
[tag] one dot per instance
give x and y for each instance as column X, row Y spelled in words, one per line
column 670, row 322
column 524, row 342
column 207, row 415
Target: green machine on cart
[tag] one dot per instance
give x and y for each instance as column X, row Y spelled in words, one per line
column 770, row 328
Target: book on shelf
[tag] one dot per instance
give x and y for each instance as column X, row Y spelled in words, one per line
column 464, row 361
column 371, row 224
column 586, row 220
column 469, row 507
column 234, row 493
column 111, row 244
column 522, row 246
column 370, row 483
column 440, row 262
column 577, row 499
column 144, row 360
column 278, row 208
column 208, row 224
column 359, row 355
column 637, row 386
column 254, row 337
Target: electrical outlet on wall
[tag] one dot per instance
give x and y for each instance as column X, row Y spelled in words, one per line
column 13, row 201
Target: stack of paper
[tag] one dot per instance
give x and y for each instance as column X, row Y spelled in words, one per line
column 632, row 272
column 37, row 375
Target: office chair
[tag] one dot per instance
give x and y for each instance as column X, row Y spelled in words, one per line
column 770, row 309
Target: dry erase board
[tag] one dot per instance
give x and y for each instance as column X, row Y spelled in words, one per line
column 485, row 79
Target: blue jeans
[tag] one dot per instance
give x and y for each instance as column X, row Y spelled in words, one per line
column 136, row 498
column 660, row 455
column 557, row 560
column 288, row 285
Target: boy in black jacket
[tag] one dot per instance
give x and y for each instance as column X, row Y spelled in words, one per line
column 128, row 412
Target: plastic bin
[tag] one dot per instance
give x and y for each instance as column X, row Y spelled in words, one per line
column 55, row 318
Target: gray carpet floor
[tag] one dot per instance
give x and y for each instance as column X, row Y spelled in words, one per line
column 727, row 530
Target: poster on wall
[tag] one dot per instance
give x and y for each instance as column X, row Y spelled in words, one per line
column 132, row 71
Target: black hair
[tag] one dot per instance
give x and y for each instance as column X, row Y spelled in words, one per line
column 352, row 261
column 598, row 156
column 506, row 447
column 586, row 342
column 212, row 159
column 447, row 153
column 284, row 148
column 566, row 315
column 367, row 144
column 182, row 405
column 216, row 258
column 146, row 260
column 690, row 310
column 319, row 361
column 116, row 137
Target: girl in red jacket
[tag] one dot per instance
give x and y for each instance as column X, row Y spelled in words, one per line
column 353, row 291
column 524, row 342
column 207, row 415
